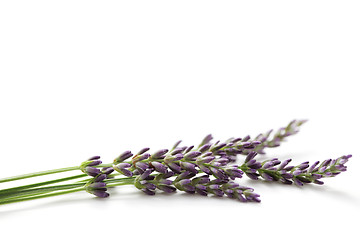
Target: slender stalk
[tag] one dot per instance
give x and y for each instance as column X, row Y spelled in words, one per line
column 46, row 194
column 14, row 189
column 13, row 200
column 40, row 190
column 36, row 174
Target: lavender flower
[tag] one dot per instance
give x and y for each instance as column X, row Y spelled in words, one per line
column 268, row 141
column 97, row 185
column 207, row 169
column 275, row 170
column 125, row 155
column 123, row 169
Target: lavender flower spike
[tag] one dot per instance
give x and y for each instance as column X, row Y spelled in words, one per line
column 205, row 170
column 299, row 174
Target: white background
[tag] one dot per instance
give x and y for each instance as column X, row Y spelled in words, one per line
column 84, row 78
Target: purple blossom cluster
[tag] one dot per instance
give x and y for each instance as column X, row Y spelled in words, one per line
column 270, row 141
column 275, row 170
column 96, row 185
column 210, row 168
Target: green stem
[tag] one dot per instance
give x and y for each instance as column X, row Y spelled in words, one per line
column 36, row 174
column 15, row 189
column 36, row 191
column 40, row 191
column 7, row 201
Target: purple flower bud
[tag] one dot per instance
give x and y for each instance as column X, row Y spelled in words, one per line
column 188, row 149
column 142, row 157
column 253, row 197
column 204, row 169
column 189, row 167
column 146, row 174
column 147, row 191
column 178, row 150
column 318, row 182
column 222, row 161
column 267, row 176
column 235, row 140
column 236, row 173
column 267, row 165
column 303, row 166
column 229, row 193
column 121, row 169
column 123, row 165
column 204, row 148
column 207, row 159
column 215, row 186
column 288, row 168
column 217, row 147
column 141, row 166
column 250, row 156
column 298, row 182
column 252, row 161
column 316, row 176
column 168, row 174
column 165, row 181
column 206, row 140
column 159, row 167
column 107, row 170
column 239, row 196
column 167, row 189
column 333, row 162
column 100, row 193
column 312, row 167
column 150, row 186
column 143, row 151
column 94, row 163
column 192, row 155
column 287, row 175
column 178, row 157
column 97, row 185
column 174, row 167
column 100, row 178
column 253, row 176
column 325, row 163
column 218, row 173
column 91, row 171
column 283, row 164
column 217, row 192
column 246, row 138
column 125, row 155
column 176, row 144
column 200, row 186
column 201, row 192
column 184, row 175
column 340, row 167
column 127, row 172
column 159, row 154
column 189, row 188
column 94, row 158
column 184, row 182
column 207, row 154
column 304, row 179
column 285, row 181
column 255, row 165
column 297, row 172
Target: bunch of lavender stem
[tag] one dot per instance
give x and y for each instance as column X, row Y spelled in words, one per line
column 207, row 169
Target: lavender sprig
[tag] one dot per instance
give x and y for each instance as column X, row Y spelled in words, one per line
column 275, row 170
column 270, row 141
column 207, row 169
